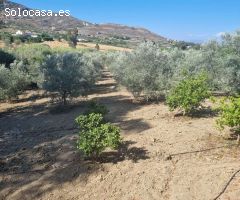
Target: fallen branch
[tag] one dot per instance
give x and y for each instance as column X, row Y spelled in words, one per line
column 228, row 183
column 198, row 151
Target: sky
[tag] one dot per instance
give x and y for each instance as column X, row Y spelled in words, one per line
column 189, row 20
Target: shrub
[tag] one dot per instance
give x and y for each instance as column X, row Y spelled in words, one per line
column 69, row 74
column 46, row 37
column 188, row 94
column 6, row 58
column 97, row 108
column 229, row 113
column 7, row 38
column 95, row 135
column 37, row 39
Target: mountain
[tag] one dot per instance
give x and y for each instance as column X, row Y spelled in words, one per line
column 39, row 23
column 61, row 24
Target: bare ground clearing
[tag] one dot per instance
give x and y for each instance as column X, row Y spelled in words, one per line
column 38, row 158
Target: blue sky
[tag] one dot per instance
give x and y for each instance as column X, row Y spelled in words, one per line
column 193, row 20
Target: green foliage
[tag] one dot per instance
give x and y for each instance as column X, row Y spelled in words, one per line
column 72, row 38
column 33, row 55
column 97, row 47
column 95, row 135
column 95, row 107
column 46, row 37
column 69, row 74
column 12, row 81
column 188, row 94
column 146, row 70
column 7, row 38
column 6, row 58
column 26, row 39
column 221, row 61
column 37, row 39
column 229, row 109
column 185, row 45
column 151, row 70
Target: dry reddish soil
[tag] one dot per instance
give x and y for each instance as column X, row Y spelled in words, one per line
column 163, row 156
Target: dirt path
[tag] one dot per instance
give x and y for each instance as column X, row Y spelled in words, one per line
column 38, row 158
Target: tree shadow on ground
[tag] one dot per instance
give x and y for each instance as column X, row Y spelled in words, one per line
column 205, row 112
column 32, row 98
column 59, row 167
column 125, row 152
column 38, row 148
column 120, row 106
column 234, row 134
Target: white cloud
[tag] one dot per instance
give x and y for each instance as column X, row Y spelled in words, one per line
column 220, row 34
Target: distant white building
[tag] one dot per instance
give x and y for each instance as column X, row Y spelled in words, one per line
column 34, row 36
column 19, row 32
column 85, row 24
column 81, row 40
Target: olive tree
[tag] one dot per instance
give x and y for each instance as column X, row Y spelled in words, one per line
column 13, row 81
column 221, row 60
column 146, row 70
column 69, row 74
column 32, row 55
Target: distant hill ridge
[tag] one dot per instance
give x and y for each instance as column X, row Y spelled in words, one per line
column 59, row 24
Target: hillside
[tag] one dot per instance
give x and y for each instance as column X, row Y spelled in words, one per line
column 57, row 24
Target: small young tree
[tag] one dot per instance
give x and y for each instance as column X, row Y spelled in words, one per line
column 189, row 94
column 230, row 114
column 69, row 74
column 97, row 47
column 72, row 38
column 95, row 135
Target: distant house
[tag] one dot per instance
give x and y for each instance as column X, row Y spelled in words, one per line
column 34, row 36
column 85, row 24
column 19, row 32
column 28, row 33
column 82, row 40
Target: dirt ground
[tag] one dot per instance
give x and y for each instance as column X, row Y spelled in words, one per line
column 86, row 45
column 159, row 158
